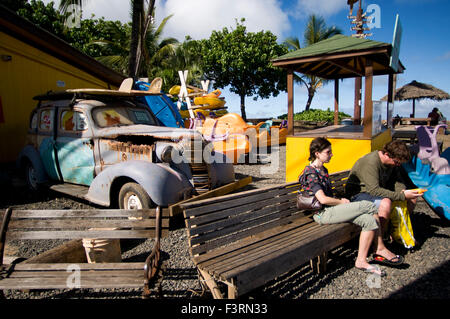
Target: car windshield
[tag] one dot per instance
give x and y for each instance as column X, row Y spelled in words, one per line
column 108, row 116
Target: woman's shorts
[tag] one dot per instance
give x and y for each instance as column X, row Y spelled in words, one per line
column 359, row 213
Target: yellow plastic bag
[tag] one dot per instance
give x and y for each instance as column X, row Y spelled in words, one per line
column 401, row 230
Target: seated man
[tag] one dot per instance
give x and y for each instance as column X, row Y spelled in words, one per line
column 376, row 177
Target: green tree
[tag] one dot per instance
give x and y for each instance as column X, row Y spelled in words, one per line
column 242, row 60
column 154, row 52
column 316, row 31
column 141, row 19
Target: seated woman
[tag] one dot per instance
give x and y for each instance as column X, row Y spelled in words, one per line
column 315, row 181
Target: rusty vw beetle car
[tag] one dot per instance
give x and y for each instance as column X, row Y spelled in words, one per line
column 110, row 150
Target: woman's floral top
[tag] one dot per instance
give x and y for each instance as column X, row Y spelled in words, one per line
column 311, row 180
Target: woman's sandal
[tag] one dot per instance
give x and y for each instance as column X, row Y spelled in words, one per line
column 388, row 262
column 375, row 270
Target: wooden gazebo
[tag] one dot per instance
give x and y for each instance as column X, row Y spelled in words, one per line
column 341, row 57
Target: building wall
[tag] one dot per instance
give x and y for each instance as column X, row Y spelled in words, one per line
column 26, row 72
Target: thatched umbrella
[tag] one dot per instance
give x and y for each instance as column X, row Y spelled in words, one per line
column 416, row 91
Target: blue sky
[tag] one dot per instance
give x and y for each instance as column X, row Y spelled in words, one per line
column 425, row 45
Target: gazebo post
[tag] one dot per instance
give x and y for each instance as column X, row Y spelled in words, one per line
column 390, row 96
column 336, row 101
column 368, row 105
column 290, row 89
column 357, row 104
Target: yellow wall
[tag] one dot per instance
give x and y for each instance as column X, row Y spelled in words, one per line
column 30, row 72
column 345, row 153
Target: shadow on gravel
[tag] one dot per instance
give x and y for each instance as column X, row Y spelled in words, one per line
column 302, row 282
column 429, row 286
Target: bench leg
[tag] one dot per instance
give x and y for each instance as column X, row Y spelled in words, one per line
column 211, row 283
column 232, row 292
column 319, row 264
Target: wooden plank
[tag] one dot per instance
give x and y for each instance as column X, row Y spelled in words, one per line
column 231, row 212
column 235, row 232
column 249, row 232
column 235, row 202
column 250, row 240
column 91, row 213
column 308, row 248
column 83, row 274
column 250, row 256
column 245, row 194
column 63, row 283
column 253, row 278
column 81, row 266
column 106, row 234
column 220, row 227
column 248, row 253
column 176, row 208
column 83, row 224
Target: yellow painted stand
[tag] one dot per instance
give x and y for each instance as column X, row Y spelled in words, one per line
column 346, row 151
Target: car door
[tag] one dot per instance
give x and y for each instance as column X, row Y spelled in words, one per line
column 75, row 147
column 45, row 141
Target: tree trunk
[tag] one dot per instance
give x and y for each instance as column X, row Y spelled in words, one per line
column 244, row 116
column 308, row 103
column 137, row 9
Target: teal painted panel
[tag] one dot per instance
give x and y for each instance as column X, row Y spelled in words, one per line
column 47, row 154
column 76, row 160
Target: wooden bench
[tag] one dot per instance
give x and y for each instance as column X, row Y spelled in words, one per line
column 247, row 239
column 78, row 224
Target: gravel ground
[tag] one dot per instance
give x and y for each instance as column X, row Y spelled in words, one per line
column 425, row 274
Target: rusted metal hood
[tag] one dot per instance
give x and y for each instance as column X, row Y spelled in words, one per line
column 159, row 132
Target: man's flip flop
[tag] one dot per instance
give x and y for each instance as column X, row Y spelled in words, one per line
column 388, row 262
column 375, row 270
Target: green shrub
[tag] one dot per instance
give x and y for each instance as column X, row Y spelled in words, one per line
column 316, row 115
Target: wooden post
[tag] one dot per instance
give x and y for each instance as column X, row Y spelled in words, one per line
column 336, row 101
column 357, row 105
column 391, row 96
column 368, row 107
column 290, row 89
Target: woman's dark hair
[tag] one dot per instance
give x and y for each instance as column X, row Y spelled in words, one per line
column 397, row 149
column 317, row 145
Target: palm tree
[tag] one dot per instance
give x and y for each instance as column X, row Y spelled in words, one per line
column 141, row 19
column 316, row 30
column 155, row 51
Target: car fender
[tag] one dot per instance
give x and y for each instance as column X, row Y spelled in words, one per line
column 31, row 154
column 164, row 185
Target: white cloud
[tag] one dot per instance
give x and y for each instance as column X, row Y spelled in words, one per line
column 320, row 7
column 198, row 18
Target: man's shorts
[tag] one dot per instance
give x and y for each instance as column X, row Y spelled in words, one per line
column 366, row 196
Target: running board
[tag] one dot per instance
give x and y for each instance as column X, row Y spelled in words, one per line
column 78, row 191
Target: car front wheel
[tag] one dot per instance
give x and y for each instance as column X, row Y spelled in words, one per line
column 133, row 196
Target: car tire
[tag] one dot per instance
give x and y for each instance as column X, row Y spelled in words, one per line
column 133, row 196
column 30, row 177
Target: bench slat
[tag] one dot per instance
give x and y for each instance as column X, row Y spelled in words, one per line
column 251, row 255
column 231, row 217
column 105, row 234
column 250, row 240
column 231, row 197
column 63, row 282
column 254, row 246
column 84, row 274
column 256, row 228
column 308, row 245
column 253, row 198
column 83, row 223
column 82, row 266
column 58, row 213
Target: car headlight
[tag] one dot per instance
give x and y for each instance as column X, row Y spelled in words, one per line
column 166, row 154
